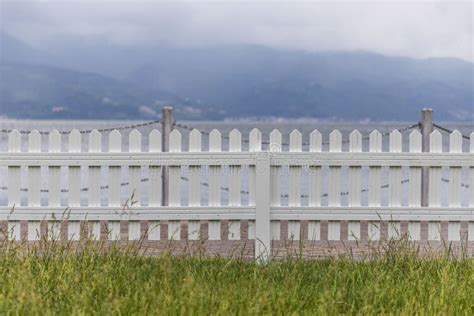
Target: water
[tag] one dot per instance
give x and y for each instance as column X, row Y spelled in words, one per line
column 285, row 127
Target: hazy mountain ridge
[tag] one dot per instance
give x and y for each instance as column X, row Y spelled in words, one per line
column 232, row 81
column 258, row 81
column 32, row 91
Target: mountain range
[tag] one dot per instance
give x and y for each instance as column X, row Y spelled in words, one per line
column 94, row 79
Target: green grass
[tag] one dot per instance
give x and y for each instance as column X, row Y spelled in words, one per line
column 59, row 280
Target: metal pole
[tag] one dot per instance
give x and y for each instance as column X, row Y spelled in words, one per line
column 167, row 127
column 426, row 125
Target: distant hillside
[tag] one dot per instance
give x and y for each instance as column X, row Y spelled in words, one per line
column 12, row 49
column 31, row 91
column 107, row 81
column 255, row 81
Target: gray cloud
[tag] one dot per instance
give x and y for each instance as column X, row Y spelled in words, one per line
column 412, row 28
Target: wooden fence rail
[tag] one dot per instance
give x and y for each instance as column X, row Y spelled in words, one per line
column 265, row 172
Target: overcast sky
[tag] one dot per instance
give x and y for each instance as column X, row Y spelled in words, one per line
column 410, row 28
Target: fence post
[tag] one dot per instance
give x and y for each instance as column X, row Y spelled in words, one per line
column 167, row 126
column 262, row 207
column 426, row 129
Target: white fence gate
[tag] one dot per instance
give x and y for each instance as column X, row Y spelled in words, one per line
column 309, row 174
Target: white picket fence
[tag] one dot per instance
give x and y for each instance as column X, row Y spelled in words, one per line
column 308, row 173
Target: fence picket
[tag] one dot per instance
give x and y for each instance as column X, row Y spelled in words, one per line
column 215, row 145
column 154, row 146
column 353, row 230
column 373, row 230
column 34, row 172
column 471, row 177
column 175, row 171
column 34, row 230
column 471, row 189
column 315, row 145
column 454, row 189
column 334, row 230
column 73, row 230
column 134, row 230
column 174, row 226
column 14, row 232
column 194, row 176
column 375, row 146
column 54, row 172
column 275, row 146
column 335, row 145
column 154, row 230
column 414, row 195
column 414, row 230
column 395, row 171
column 355, row 185
column 194, row 228
column 135, row 146
column 94, row 171
column 13, row 193
column 54, row 230
column 113, row 230
column 275, row 142
column 134, row 172
column 95, row 145
column 235, row 145
column 355, row 146
column 314, row 230
column 255, row 145
column 454, row 231
column 174, row 230
column 334, row 194
column 54, row 183
column 434, row 231
column 394, row 230
column 94, row 230
column 262, row 207
column 294, row 196
column 74, row 172
column 436, row 141
column 194, row 185
column 235, row 141
column 115, row 146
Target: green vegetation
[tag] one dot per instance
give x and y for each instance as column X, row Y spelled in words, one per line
column 55, row 279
